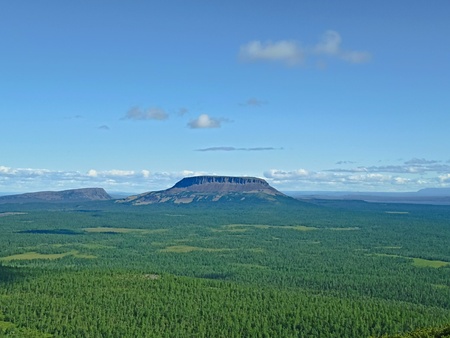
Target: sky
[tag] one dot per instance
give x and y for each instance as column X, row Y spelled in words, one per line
column 311, row 95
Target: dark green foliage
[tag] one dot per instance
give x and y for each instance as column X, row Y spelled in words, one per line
column 328, row 269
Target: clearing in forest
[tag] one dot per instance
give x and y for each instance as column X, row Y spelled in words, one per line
column 37, row 255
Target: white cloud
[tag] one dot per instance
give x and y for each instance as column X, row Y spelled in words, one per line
column 286, row 175
column 284, row 51
column 204, row 121
column 401, row 180
column 7, row 170
column 444, row 178
column 92, row 173
column 368, row 178
column 384, row 178
column 291, row 53
column 119, row 173
column 152, row 113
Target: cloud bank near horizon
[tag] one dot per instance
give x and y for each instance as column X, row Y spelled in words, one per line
column 411, row 175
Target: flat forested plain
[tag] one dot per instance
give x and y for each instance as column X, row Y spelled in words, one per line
column 297, row 269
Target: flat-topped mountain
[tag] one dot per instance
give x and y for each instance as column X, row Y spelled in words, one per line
column 73, row 195
column 210, row 189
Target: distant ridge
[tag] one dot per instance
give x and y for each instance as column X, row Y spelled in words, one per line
column 210, row 189
column 73, row 195
column 436, row 196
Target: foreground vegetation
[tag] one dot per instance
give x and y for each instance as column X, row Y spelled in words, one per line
column 320, row 269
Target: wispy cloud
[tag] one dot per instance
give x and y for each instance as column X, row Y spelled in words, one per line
column 238, row 149
column 413, row 166
column 104, row 127
column 330, row 44
column 139, row 114
column 204, row 121
column 254, row 102
column 345, row 162
column 284, row 51
column 293, row 53
column 182, row 111
column 420, row 161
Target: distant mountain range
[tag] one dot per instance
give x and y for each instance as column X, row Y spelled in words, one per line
column 438, row 196
column 226, row 188
column 210, row 189
column 73, row 195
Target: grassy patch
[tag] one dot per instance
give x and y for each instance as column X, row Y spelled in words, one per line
column 419, row 262
column 344, row 229
column 5, row 326
column 35, row 255
column 230, row 230
column 425, row 263
column 303, row 228
column 4, row 214
column 440, row 286
column 258, row 226
column 241, row 227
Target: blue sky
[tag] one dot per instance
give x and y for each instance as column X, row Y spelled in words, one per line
column 310, row 95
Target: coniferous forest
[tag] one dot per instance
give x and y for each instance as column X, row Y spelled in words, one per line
column 316, row 269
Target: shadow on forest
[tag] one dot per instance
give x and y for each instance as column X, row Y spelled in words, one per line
column 217, row 276
column 10, row 274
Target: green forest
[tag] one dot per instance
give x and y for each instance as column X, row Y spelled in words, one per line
column 297, row 269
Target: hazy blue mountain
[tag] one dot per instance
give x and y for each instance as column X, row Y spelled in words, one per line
column 423, row 196
column 73, row 195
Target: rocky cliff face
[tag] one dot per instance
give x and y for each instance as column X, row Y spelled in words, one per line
column 209, row 189
column 222, row 184
column 73, row 195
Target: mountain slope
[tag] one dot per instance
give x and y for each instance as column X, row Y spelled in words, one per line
column 210, row 189
column 73, row 195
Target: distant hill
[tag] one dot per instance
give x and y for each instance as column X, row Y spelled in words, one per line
column 73, row 195
column 211, row 189
column 437, row 196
